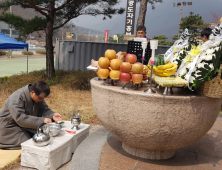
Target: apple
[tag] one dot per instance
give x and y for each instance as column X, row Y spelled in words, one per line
column 125, row 67
column 131, row 58
column 125, row 77
column 137, row 78
column 137, row 68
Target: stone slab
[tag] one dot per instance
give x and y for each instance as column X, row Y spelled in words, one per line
column 87, row 155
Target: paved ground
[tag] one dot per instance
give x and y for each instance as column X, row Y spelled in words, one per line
column 11, row 66
column 205, row 154
column 99, row 151
column 67, row 166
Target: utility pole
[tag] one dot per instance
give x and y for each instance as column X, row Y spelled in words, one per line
column 10, row 11
column 62, row 33
column 180, row 20
column 30, row 41
column 181, row 4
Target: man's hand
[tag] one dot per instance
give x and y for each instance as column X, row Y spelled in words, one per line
column 57, row 117
column 47, row 120
column 148, row 40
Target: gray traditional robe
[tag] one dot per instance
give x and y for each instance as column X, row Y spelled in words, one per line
column 19, row 115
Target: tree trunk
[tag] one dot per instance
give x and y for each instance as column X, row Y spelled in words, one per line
column 50, row 69
column 142, row 14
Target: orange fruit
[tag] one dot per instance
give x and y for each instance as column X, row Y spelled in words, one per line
column 115, row 64
column 104, row 62
column 110, row 54
column 103, row 73
column 114, row 74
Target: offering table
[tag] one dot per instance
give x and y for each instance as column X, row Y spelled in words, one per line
column 58, row 152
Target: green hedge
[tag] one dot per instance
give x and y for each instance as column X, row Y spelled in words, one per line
column 25, row 52
column 3, row 52
column 42, row 51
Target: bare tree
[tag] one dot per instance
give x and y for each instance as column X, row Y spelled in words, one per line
column 215, row 17
column 143, row 8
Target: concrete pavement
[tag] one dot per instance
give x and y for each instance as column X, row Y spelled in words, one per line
column 205, row 154
column 101, row 151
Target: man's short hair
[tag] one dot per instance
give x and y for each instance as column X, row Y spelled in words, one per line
column 40, row 87
column 141, row 28
column 206, row 32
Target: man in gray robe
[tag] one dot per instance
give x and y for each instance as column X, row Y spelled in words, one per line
column 24, row 111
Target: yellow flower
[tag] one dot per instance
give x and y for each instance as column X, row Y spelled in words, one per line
column 194, row 51
column 188, row 59
column 174, row 49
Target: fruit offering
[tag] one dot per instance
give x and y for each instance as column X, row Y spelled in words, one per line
column 110, row 54
column 164, row 70
column 158, row 60
column 114, row 74
column 104, row 62
column 145, row 71
column 137, row 68
column 125, row 67
column 137, row 78
column 125, row 77
column 115, row 64
column 131, row 58
column 103, row 73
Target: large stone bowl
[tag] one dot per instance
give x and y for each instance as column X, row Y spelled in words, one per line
column 153, row 126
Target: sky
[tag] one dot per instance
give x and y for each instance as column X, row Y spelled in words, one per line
column 163, row 20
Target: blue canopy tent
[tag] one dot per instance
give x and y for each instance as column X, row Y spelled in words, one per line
column 9, row 43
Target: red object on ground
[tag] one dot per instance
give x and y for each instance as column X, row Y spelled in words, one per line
column 71, row 132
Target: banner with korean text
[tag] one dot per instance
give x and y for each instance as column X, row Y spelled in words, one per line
column 106, row 36
column 130, row 17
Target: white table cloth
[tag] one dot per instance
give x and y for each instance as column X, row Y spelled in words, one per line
column 58, row 152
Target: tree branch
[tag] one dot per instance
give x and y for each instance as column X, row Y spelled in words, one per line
column 38, row 9
column 23, row 4
column 29, row 5
column 68, row 3
column 62, row 24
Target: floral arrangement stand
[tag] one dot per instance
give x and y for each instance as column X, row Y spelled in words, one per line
column 168, row 91
column 212, row 88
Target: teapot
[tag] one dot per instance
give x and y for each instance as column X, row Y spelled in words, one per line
column 41, row 138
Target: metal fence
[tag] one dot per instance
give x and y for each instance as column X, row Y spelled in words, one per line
column 75, row 55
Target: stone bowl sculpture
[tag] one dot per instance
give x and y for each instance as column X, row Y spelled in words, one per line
column 153, row 126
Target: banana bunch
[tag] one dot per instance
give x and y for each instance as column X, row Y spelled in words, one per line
column 165, row 70
column 145, row 69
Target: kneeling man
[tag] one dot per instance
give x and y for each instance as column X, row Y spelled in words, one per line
column 22, row 113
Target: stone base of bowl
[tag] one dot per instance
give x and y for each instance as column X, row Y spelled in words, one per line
column 146, row 154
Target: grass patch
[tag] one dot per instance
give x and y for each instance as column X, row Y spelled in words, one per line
column 13, row 165
column 74, row 80
column 67, row 89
